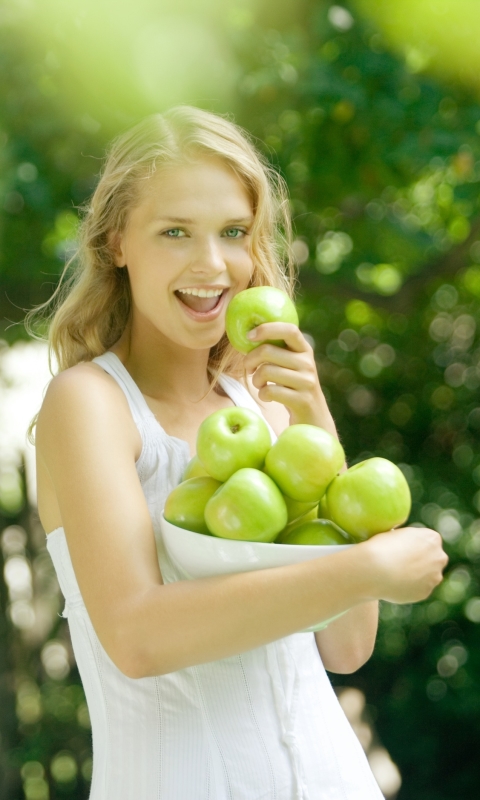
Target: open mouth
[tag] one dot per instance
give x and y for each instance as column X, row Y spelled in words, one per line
column 201, row 304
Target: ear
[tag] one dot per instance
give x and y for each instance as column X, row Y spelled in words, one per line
column 115, row 242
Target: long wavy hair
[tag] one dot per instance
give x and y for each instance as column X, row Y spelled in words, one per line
column 92, row 303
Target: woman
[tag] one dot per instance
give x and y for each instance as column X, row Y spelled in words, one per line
column 206, row 689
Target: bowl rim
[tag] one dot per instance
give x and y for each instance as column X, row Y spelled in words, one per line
column 238, row 542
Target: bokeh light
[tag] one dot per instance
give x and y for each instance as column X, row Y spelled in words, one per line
column 387, row 775
column 64, row 767
column 55, row 660
column 35, row 786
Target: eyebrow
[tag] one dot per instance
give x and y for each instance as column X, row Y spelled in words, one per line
column 185, row 221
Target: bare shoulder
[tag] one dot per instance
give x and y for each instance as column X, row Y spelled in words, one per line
column 85, row 376
column 88, row 442
column 80, row 399
column 275, row 413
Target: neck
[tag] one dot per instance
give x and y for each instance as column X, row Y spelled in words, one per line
column 162, row 369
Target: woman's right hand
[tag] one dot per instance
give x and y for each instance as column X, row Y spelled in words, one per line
column 407, row 564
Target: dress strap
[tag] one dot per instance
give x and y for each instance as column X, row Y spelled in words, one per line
column 138, row 405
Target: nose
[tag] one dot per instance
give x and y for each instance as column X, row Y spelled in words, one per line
column 208, row 258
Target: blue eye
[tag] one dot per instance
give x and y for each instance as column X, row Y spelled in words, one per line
column 174, row 231
column 234, row 230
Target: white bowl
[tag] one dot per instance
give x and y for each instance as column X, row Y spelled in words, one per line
column 198, row 556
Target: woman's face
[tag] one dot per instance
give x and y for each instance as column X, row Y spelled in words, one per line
column 189, row 236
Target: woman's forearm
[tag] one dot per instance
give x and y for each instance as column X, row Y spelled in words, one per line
column 192, row 622
column 348, row 642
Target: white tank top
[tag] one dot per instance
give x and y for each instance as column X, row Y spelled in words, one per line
column 261, row 725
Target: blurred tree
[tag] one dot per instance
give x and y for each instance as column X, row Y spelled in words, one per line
column 383, row 165
column 433, row 36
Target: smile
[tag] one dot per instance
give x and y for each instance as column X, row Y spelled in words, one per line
column 202, row 304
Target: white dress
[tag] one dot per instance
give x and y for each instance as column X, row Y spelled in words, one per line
column 261, row 725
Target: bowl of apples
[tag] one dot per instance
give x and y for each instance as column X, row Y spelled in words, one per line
column 258, row 507
column 247, row 504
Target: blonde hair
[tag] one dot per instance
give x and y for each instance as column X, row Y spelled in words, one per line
column 91, row 306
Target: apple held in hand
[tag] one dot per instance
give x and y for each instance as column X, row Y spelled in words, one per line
column 248, row 506
column 252, row 307
column 371, row 497
column 185, row 505
column 314, row 531
column 303, row 461
column 232, row 439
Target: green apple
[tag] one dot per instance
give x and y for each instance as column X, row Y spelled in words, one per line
column 252, row 307
column 323, row 512
column 195, row 469
column 311, row 515
column 185, row 505
column 232, row 439
column 314, row 531
column 296, row 510
column 370, row 497
column 248, row 506
column 303, row 461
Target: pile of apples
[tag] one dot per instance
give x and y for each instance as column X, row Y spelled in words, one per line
column 240, row 486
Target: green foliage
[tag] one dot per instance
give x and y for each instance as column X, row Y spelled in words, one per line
column 383, row 166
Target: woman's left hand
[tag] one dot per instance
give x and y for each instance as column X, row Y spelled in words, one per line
column 289, row 375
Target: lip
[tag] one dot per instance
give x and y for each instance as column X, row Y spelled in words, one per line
column 206, row 316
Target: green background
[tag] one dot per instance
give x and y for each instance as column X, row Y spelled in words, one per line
column 375, row 127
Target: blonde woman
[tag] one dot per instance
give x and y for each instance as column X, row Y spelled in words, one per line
column 205, row 689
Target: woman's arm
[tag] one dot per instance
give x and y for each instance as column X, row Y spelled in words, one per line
column 87, row 441
column 348, row 642
column 291, row 377
column 214, row 618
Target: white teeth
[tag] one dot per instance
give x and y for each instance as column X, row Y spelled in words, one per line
column 202, row 292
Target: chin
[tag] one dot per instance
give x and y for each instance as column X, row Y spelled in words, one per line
column 201, row 343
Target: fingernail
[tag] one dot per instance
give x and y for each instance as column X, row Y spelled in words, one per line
column 252, row 334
